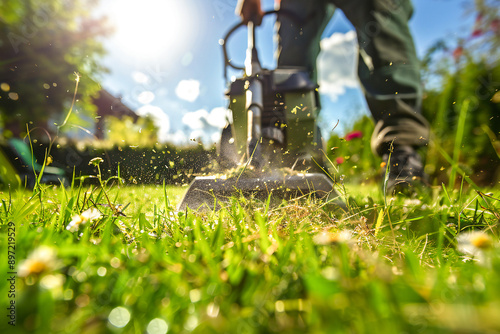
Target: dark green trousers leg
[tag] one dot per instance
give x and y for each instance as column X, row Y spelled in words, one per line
column 388, row 70
column 388, row 66
column 298, row 44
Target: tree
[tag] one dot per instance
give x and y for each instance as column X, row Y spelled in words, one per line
column 487, row 25
column 462, row 98
column 126, row 132
column 44, row 46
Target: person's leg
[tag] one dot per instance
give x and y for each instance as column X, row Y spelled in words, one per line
column 298, row 42
column 389, row 71
column 298, row 47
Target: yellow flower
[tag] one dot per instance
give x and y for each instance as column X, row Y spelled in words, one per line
column 41, row 260
column 83, row 218
column 481, row 241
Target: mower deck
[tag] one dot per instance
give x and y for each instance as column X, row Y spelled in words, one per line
column 205, row 192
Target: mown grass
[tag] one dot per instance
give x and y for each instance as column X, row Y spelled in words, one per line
column 386, row 265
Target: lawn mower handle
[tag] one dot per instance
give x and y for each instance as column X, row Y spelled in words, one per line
column 254, row 95
column 227, row 61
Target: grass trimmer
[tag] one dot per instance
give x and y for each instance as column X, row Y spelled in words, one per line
column 272, row 144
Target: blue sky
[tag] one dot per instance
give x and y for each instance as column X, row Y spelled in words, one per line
column 166, row 61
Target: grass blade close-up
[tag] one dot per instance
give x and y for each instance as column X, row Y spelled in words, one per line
column 416, row 265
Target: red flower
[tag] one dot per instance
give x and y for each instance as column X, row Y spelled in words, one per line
column 339, row 160
column 353, row 134
column 495, row 26
column 458, row 52
column 478, row 30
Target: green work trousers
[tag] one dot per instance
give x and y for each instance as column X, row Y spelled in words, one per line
column 388, row 67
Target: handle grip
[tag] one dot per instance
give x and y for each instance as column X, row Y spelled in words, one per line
column 231, row 31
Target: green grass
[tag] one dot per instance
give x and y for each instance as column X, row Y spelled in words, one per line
column 248, row 268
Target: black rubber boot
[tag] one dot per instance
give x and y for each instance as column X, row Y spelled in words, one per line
column 405, row 173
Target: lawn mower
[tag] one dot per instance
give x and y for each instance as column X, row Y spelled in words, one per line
column 272, row 144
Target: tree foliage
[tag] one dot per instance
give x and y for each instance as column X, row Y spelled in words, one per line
column 473, row 88
column 460, row 75
column 463, row 76
column 487, row 25
column 44, row 45
column 142, row 133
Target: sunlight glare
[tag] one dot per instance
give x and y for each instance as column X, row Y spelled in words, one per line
column 151, row 29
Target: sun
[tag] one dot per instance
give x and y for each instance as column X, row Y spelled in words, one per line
column 150, row 29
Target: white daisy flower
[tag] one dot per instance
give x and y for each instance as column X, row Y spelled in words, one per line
column 41, row 260
column 474, row 244
column 325, row 238
column 83, row 218
column 412, row 202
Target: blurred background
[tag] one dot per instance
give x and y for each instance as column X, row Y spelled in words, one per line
column 141, row 85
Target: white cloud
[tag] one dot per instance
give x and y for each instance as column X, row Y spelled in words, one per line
column 337, row 64
column 160, row 118
column 197, row 135
column 207, row 138
column 202, row 119
column 178, row 138
column 188, row 90
column 196, row 119
column 140, row 77
column 217, row 117
column 215, row 137
column 146, row 97
column 204, row 126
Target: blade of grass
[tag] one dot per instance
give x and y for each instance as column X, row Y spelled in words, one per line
column 77, row 79
column 380, row 219
column 458, row 170
column 458, row 142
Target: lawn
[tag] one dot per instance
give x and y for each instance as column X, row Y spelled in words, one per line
column 124, row 260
